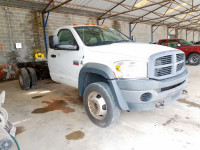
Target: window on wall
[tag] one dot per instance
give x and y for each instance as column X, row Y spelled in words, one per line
column 173, row 43
column 65, row 37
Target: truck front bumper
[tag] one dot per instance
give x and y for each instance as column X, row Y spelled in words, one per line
column 147, row 94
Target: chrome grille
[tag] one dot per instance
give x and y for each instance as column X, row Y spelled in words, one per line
column 163, row 71
column 179, row 57
column 166, row 64
column 179, row 66
column 163, row 60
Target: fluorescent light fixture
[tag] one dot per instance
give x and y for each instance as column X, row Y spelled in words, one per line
column 141, row 3
column 176, row 8
column 183, row 16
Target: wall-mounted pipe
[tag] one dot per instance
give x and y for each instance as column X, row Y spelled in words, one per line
column 44, row 27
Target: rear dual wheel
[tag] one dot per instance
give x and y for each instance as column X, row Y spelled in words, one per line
column 27, row 78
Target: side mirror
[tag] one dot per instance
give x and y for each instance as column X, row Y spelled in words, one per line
column 53, row 41
column 54, row 44
column 179, row 45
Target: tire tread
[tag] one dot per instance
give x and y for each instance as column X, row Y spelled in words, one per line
column 26, row 79
column 113, row 115
column 33, row 77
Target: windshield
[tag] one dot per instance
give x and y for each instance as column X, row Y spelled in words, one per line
column 184, row 42
column 93, row 36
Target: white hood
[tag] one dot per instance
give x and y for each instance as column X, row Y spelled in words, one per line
column 136, row 50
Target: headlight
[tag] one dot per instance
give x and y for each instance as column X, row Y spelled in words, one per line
column 130, row 69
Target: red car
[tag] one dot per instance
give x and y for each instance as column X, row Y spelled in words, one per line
column 192, row 52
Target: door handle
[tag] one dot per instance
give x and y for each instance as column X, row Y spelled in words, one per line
column 53, row 56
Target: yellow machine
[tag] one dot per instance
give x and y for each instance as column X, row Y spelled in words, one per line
column 38, row 54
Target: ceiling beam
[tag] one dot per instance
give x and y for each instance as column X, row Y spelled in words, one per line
column 110, row 9
column 149, row 12
column 168, row 8
column 57, row 6
column 134, row 3
column 174, row 24
column 167, row 17
column 179, row 14
column 47, row 6
column 133, row 9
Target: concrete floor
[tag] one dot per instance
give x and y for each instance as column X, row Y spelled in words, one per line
column 52, row 118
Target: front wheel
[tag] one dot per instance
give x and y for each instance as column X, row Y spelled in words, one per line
column 100, row 104
column 194, row 59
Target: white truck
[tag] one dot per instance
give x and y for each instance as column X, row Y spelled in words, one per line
column 112, row 73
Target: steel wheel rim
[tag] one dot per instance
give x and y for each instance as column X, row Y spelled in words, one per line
column 21, row 80
column 97, row 105
column 194, row 59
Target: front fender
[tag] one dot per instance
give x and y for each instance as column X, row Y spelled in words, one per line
column 105, row 72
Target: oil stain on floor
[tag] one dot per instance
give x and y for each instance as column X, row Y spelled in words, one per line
column 20, row 129
column 190, row 104
column 76, row 135
column 51, row 82
column 73, row 97
column 55, row 105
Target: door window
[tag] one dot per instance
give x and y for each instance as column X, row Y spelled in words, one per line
column 163, row 42
column 173, row 43
column 65, row 37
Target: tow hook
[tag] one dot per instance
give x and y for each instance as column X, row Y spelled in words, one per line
column 160, row 104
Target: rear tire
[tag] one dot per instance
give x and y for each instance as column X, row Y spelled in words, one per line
column 33, row 77
column 194, row 59
column 24, row 79
column 100, row 105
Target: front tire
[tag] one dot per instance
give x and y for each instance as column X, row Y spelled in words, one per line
column 194, row 59
column 100, row 104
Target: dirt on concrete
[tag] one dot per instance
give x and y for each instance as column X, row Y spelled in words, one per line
column 76, row 135
column 20, row 129
column 171, row 120
column 190, row 104
column 55, row 105
column 52, row 82
column 38, row 96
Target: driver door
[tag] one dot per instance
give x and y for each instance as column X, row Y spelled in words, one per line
column 64, row 64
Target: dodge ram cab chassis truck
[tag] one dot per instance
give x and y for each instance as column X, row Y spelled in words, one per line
column 112, row 73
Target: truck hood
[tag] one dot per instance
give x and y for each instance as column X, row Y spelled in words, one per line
column 137, row 50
